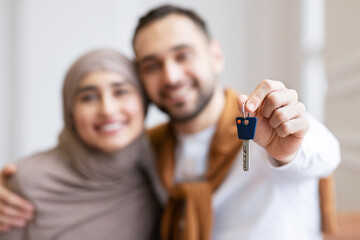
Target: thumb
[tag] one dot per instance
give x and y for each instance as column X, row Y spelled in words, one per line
column 241, row 100
column 7, row 171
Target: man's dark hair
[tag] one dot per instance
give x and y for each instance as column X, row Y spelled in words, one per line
column 165, row 10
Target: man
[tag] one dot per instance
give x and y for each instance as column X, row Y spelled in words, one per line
column 199, row 155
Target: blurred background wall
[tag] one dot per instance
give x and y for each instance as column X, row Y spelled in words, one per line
column 342, row 59
column 311, row 45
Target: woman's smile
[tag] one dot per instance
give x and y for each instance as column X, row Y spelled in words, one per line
column 110, row 127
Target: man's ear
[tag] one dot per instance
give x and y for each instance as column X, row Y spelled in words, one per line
column 218, row 60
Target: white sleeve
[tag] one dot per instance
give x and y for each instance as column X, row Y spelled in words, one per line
column 318, row 156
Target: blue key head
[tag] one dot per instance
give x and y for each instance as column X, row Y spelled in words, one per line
column 246, row 127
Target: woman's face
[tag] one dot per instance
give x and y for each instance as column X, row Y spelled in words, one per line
column 108, row 111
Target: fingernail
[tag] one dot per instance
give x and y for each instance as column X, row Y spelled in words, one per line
column 251, row 106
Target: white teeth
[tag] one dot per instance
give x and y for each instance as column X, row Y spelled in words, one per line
column 110, row 127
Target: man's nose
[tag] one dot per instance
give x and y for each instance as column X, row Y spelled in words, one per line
column 172, row 72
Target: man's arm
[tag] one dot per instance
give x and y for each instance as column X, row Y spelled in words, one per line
column 318, row 156
column 14, row 211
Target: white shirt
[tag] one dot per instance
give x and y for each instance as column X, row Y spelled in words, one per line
column 268, row 201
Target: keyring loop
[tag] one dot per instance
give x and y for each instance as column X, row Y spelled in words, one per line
column 243, row 111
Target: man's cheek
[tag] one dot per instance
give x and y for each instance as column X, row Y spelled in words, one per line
column 152, row 90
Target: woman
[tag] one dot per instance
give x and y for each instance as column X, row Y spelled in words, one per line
column 95, row 183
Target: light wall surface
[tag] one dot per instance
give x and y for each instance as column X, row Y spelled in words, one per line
column 342, row 56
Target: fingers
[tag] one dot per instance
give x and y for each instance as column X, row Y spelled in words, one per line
column 13, row 206
column 8, row 170
column 10, row 217
column 276, row 100
column 273, row 101
column 9, row 199
column 14, row 211
column 8, row 209
column 263, row 89
column 269, row 95
column 296, row 127
column 4, row 228
column 241, row 99
column 286, row 113
column 8, row 222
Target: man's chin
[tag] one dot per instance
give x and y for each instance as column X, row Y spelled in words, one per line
column 185, row 116
column 180, row 116
column 183, row 113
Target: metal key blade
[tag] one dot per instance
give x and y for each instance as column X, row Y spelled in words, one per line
column 246, row 155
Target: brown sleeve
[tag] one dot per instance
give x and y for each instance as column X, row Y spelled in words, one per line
column 329, row 219
column 156, row 135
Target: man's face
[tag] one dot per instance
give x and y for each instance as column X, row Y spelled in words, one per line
column 178, row 65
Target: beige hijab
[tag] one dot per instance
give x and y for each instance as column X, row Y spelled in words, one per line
column 80, row 192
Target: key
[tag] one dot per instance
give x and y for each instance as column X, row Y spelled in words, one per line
column 246, row 127
column 246, row 155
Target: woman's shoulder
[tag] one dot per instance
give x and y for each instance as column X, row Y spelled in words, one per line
column 35, row 169
column 39, row 162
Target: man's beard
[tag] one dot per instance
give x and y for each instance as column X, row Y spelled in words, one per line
column 202, row 102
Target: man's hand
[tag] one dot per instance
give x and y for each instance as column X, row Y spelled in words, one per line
column 282, row 122
column 14, row 211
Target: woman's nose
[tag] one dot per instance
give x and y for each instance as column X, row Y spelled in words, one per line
column 108, row 106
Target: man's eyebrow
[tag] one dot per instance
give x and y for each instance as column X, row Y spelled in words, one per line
column 148, row 58
column 181, row 46
column 152, row 57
